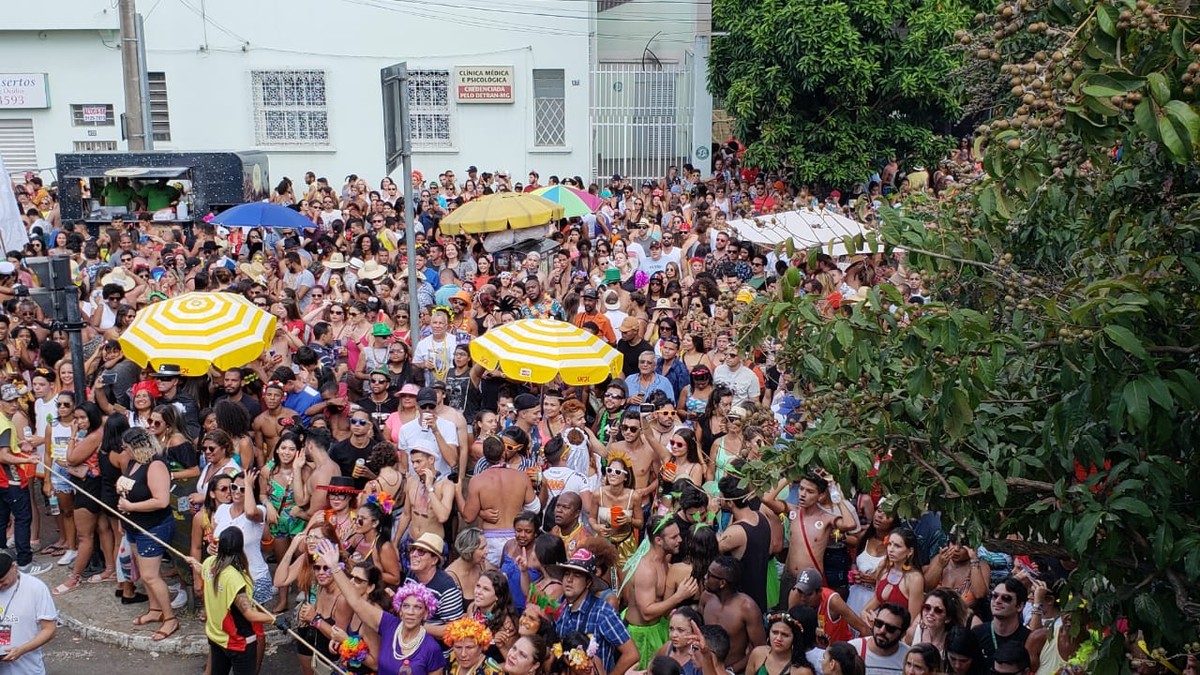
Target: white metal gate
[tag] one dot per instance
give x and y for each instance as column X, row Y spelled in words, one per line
column 641, row 120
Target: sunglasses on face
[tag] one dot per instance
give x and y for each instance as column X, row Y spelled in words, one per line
column 614, row 471
column 629, row 429
column 237, row 488
column 880, row 624
column 1006, row 598
column 378, row 381
column 322, row 569
column 359, row 422
column 932, row 608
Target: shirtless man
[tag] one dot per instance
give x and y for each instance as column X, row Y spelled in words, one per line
column 268, row 427
column 722, row 604
column 646, row 591
column 812, row 524
column 322, row 468
column 645, row 460
column 497, row 496
column 430, row 498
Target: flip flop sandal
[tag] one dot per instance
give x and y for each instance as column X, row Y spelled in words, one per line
column 162, row 633
column 101, row 578
column 143, row 621
column 53, row 549
column 66, row 586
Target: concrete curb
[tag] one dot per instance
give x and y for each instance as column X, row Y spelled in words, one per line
column 181, row 645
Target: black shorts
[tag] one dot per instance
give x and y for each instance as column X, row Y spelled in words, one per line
column 90, row 485
column 310, row 635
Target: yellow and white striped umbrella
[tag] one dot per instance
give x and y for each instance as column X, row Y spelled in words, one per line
column 536, row 350
column 198, row 330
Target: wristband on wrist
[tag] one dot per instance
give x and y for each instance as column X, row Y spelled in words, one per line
column 316, row 620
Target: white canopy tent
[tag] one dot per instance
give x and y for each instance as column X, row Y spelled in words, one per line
column 805, row 227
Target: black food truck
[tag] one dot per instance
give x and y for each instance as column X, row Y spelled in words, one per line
column 176, row 188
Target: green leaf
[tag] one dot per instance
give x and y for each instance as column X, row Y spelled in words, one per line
column 959, row 485
column 1125, row 339
column 1107, row 86
column 1106, row 16
column 1146, row 120
column 793, row 280
column 1000, row 490
column 1177, row 41
column 1179, row 149
column 1159, row 89
column 1185, row 119
column 1131, row 505
column 845, row 334
column 1084, row 531
column 1136, row 396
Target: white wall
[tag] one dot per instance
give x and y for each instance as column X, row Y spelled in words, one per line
column 667, row 28
column 208, row 64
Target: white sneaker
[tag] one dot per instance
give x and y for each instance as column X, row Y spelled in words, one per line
column 68, row 558
column 180, row 599
column 35, row 568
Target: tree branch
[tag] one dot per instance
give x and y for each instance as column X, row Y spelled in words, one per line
column 916, row 455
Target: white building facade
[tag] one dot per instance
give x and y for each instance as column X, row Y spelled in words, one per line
column 503, row 85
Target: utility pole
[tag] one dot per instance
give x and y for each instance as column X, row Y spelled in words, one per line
column 135, row 125
column 397, row 150
column 410, row 209
column 144, row 84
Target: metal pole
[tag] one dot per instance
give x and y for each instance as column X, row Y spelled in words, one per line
column 410, row 209
column 144, row 84
column 74, row 328
column 135, row 131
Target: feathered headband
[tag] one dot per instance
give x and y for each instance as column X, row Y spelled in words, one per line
column 467, row 628
column 383, row 501
column 411, row 589
column 507, row 304
column 577, row 657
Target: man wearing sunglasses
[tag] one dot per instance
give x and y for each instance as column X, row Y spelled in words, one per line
column 432, row 431
column 884, row 650
column 1007, row 603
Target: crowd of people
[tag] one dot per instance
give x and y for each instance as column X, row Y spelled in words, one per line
column 402, row 509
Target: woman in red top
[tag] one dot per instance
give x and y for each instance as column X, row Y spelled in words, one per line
column 900, row 578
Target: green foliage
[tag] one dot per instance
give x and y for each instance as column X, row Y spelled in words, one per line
column 1053, row 391
column 829, row 88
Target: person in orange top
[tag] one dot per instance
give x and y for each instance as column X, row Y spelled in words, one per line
column 589, row 314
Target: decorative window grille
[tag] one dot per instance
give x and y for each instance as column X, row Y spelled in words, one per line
column 429, row 108
column 549, row 107
column 290, row 107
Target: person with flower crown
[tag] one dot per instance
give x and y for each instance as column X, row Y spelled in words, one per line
column 789, row 635
column 468, row 639
column 404, row 643
column 577, row 654
column 371, row 538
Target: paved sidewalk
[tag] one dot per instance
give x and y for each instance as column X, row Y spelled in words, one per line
column 95, row 614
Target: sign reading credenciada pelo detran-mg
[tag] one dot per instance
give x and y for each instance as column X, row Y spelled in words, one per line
column 484, row 84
